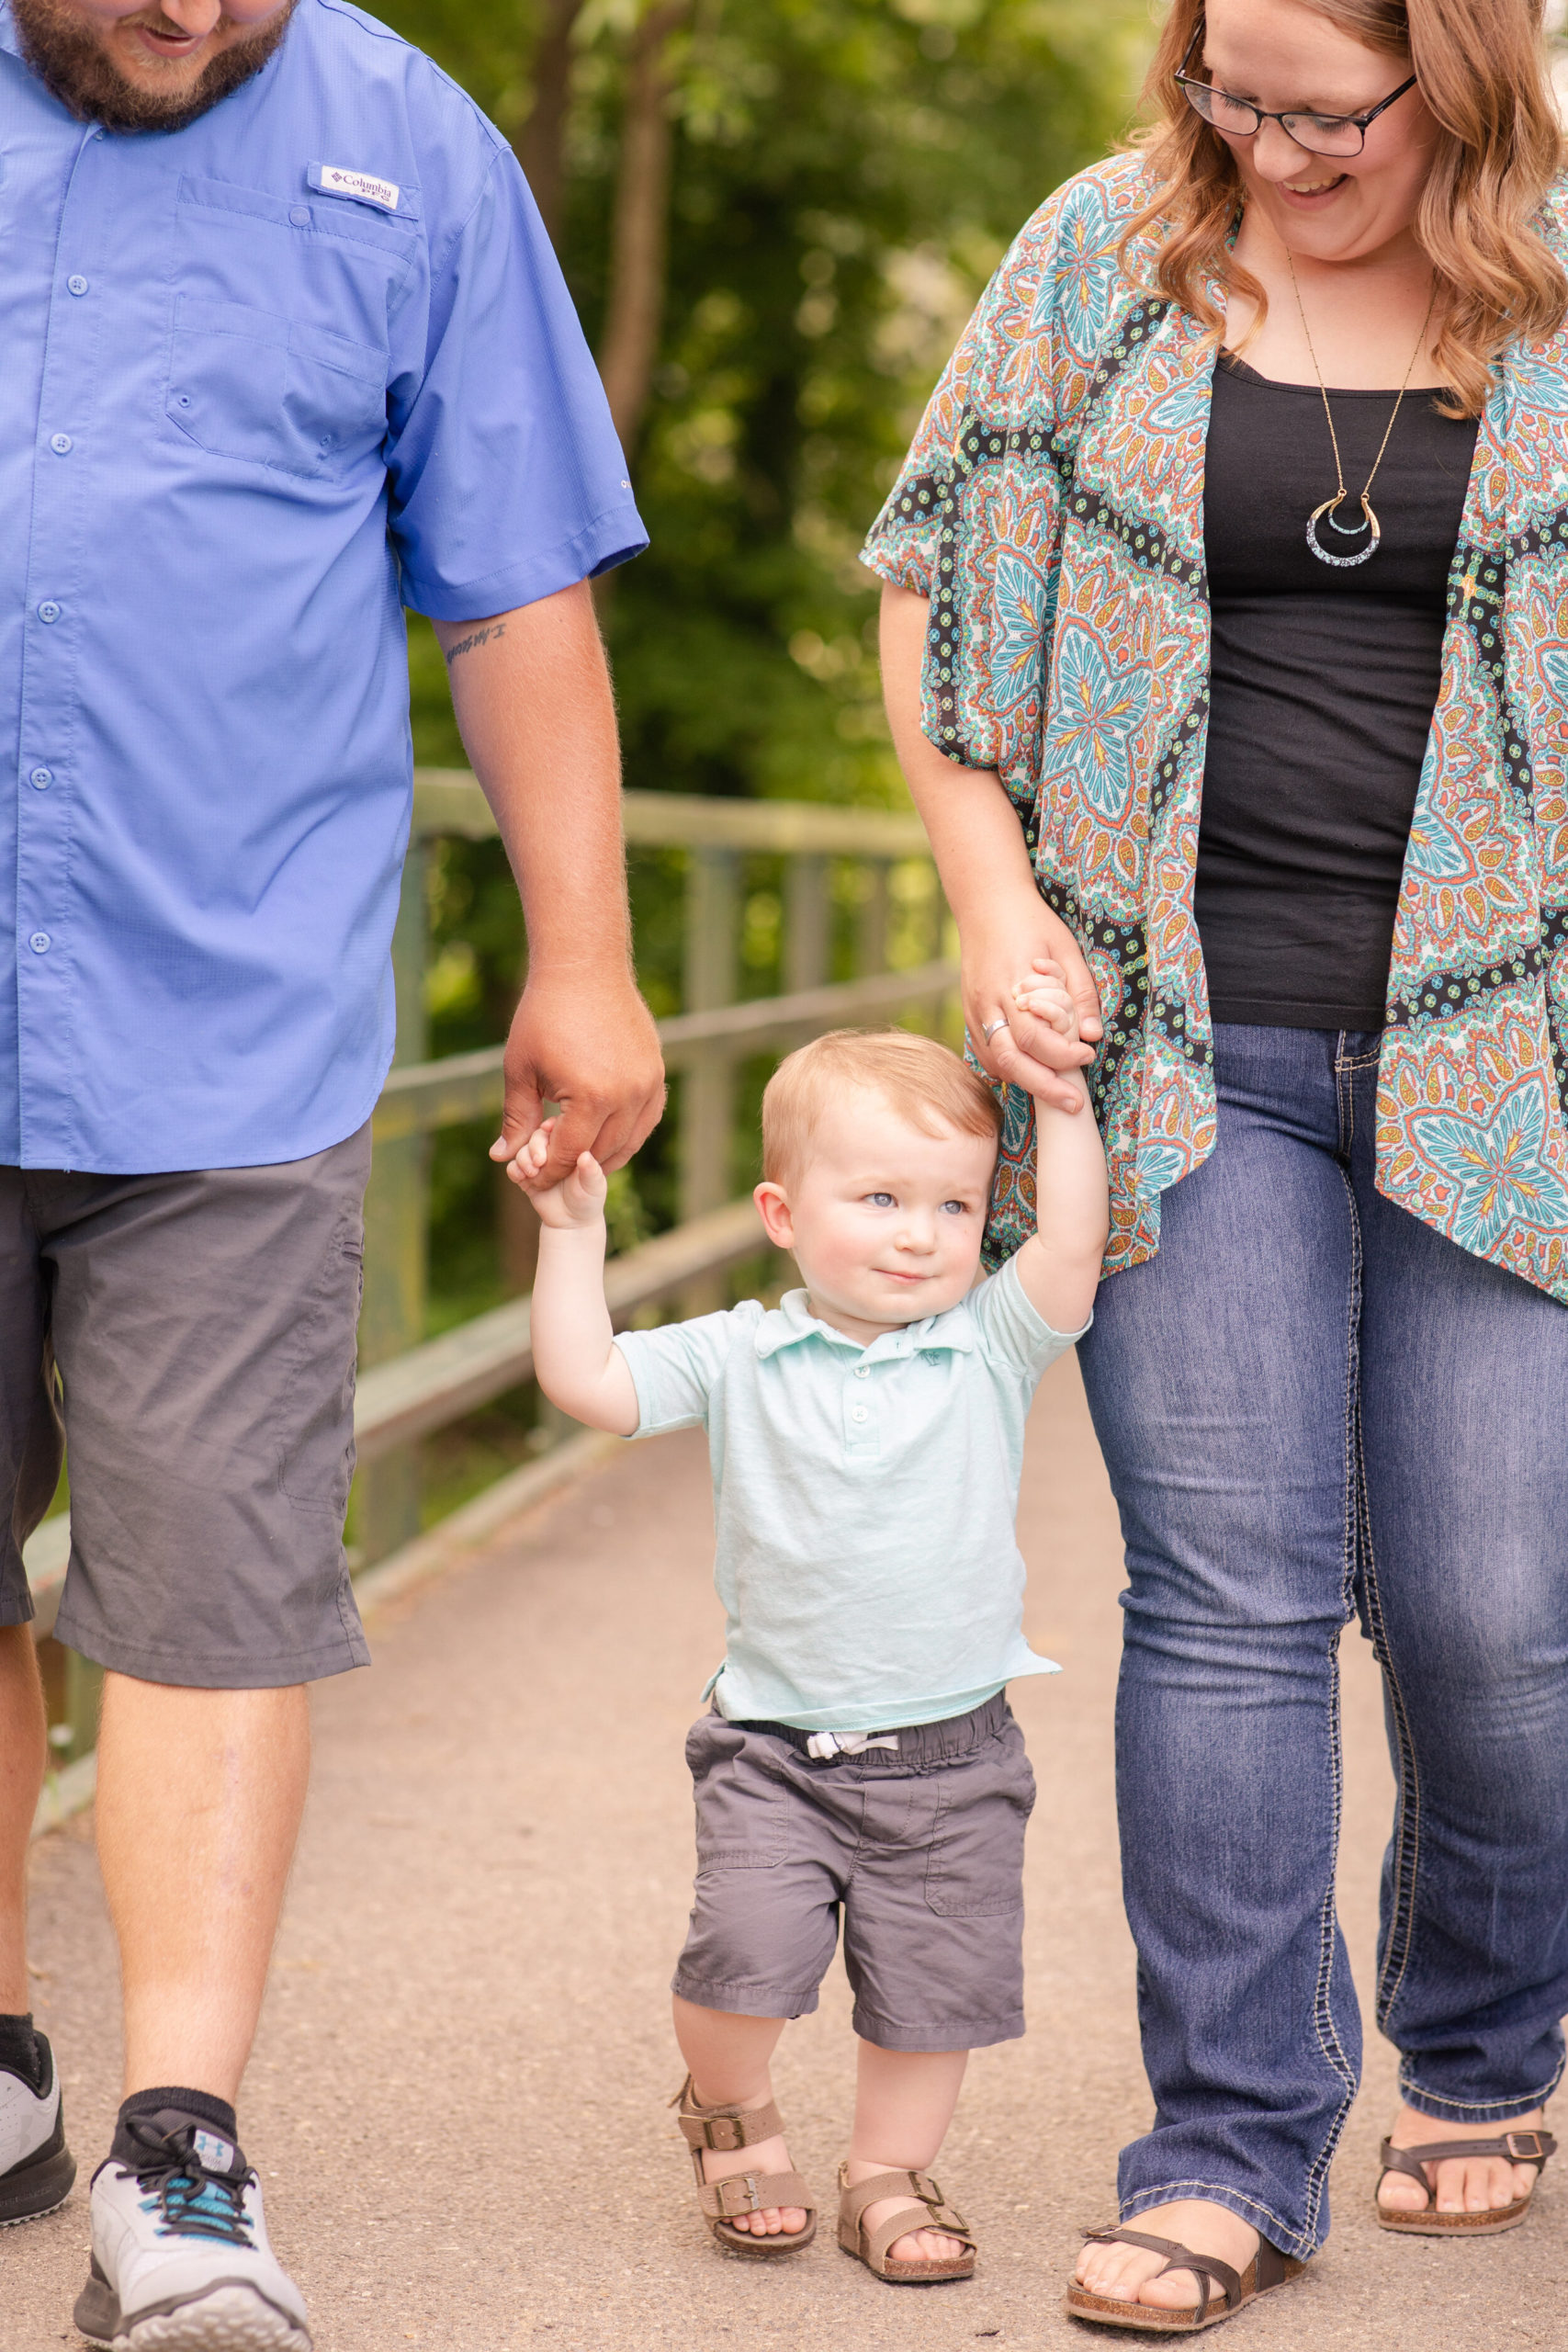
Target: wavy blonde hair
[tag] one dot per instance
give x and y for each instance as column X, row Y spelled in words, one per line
column 1482, row 73
column 920, row 1080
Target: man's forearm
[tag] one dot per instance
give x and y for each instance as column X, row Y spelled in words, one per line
column 531, row 690
column 532, row 694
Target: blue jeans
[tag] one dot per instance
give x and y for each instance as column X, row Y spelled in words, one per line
column 1311, row 1404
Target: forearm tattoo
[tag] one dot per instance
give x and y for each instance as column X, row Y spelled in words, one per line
column 479, row 637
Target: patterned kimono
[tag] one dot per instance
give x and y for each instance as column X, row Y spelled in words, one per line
column 1052, row 510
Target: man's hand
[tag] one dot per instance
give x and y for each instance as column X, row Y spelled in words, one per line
column 531, row 694
column 591, row 1047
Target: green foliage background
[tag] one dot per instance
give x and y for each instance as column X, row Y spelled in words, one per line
column 847, row 174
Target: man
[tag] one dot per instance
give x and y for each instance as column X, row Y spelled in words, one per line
column 285, row 350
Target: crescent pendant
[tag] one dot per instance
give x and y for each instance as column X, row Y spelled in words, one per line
column 1343, row 562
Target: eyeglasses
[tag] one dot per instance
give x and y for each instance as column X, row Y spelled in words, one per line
column 1320, row 134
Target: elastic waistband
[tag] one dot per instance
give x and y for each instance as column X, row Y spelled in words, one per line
column 918, row 1742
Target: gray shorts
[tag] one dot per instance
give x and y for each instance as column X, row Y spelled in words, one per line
column 919, row 1848
column 202, row 1327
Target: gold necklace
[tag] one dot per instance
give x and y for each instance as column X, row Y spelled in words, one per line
column 1368, row 520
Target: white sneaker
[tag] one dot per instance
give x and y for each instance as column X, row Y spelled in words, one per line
column 181, row 2261
column 36, row 2167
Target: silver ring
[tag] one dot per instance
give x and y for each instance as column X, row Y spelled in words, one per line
column 989, row 1031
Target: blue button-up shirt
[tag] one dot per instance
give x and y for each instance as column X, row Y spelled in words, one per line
column 262, row 382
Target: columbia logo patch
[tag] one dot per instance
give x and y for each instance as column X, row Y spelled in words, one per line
column 336, row 179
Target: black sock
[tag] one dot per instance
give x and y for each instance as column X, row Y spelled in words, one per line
column 21, row 2053
column 169, row 2106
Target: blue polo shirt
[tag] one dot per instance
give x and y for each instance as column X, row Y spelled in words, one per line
column 262, row 382
column 864, row 1500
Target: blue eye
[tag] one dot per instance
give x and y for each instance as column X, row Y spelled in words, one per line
column 955, row 1208
column 879, row 1199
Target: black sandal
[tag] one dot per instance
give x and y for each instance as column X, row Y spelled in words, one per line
column 1268, row 2267
column 1519, row 2147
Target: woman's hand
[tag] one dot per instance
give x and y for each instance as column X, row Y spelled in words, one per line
column 1045, row 994
column 1025, row 1048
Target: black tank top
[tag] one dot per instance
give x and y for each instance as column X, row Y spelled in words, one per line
column 1322, row 693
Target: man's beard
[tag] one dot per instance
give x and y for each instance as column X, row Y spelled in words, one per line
column 64, row 52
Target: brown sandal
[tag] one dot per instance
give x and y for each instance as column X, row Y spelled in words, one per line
column 1519, row 2147
column 1268, row 2267
column 730, row 2128
column 871, row 2247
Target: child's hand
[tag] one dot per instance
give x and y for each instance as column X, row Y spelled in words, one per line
column 576, row 1199
column 1045, row 994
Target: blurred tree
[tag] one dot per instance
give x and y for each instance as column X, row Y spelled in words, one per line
column 541, row 150
column 639, row 232
column 774, row 220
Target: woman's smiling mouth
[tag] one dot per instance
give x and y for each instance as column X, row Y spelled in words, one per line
column 1307, row 192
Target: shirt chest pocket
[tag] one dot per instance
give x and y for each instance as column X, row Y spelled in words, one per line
column 247, row 383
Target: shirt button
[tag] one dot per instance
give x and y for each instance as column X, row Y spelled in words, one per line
column 300, row 216
column 862, row 1372
column 76, row 285
column 38, row 943
column 41, row 778
column 49, row 610
column 61, row 444
column 858, row 1413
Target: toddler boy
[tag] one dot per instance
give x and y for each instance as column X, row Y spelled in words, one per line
column 859, row 1759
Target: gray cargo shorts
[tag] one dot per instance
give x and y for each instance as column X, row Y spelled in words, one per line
column 192, row 1339
column 919, row 1849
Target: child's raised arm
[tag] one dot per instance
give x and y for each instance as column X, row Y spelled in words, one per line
column 576, row 1360
column 1059, row 1267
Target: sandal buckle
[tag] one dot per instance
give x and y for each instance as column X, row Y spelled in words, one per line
column 745, row 2181
column 722, row 2133
column 1523, row 2147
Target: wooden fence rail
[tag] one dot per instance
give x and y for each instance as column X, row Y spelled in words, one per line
column 409, row 1386
column 428, row 1095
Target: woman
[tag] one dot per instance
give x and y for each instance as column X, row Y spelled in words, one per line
column 1252, row 473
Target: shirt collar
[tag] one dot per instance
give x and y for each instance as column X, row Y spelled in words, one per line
column 8, row 41
column 791, row 1321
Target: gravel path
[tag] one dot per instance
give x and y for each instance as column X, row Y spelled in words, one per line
column 457, row 2096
